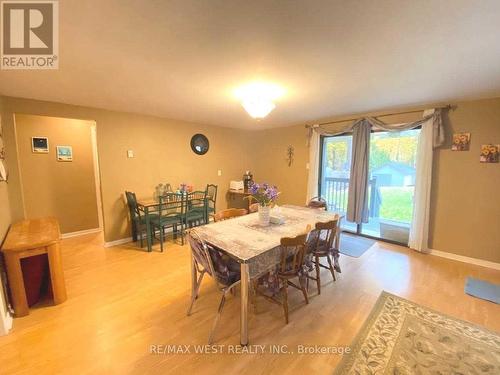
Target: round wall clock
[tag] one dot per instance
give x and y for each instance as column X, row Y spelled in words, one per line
column 199, row 144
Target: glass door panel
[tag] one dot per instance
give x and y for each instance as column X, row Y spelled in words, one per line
column 392, row 184
column 334, row 175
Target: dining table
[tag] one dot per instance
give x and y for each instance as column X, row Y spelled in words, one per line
column 150, row 206
column 257, row 248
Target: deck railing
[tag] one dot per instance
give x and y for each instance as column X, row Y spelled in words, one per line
column 335, row 191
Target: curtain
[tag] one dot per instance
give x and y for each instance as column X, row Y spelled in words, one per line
column 431, row 136
column 357, row 203
column 419, row 230
column 313, row 177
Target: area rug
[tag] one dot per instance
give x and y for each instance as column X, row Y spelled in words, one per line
column 482, row 289
column 401, row 337
column 354, row 246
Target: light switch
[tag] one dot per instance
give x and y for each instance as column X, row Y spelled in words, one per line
column 219, row 173
column 307, row 165
column 130, row 153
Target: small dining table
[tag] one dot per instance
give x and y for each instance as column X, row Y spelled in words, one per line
column 256, row 247
column 151, row 205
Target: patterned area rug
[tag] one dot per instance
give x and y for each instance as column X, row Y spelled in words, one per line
column 401, row 337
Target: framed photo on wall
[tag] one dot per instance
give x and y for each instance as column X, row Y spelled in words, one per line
column 461, row 142
column 40, row 145
column 64, row 153
column 489, row 153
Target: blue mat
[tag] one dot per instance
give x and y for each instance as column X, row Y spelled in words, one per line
column 482, row 289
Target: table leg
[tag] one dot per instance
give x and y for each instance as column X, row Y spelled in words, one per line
column 148, row 229
column 56, row 273
column 16, row 283
column 194, row 277
column 244, row 304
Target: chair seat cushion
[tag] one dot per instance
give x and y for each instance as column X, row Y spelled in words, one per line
column 165, row 220
column 142, row 219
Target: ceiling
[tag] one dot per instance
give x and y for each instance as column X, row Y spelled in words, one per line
column 182, row 59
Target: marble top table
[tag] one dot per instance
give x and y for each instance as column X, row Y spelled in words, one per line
column 256, row 247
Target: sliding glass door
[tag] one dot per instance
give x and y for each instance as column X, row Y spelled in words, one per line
column 391, row 181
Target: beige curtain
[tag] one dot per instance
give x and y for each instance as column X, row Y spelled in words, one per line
column 357, row 200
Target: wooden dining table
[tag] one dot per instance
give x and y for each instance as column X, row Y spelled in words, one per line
column 150, row 205
column 256, row 247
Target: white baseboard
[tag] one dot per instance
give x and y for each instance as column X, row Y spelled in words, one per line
column 118, row 242
column 461, row 258
column 80, row 233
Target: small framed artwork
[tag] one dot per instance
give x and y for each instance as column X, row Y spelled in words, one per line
column 461, row 142
column 40, row 145
column 64, row 153
column 489, row 153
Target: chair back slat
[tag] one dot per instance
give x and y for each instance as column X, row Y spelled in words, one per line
column 324, row 235
column 230, row 213
column 293, row 253
column 132, row 204
column 171, row 204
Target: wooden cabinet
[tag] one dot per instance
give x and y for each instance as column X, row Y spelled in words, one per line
column 26, row 239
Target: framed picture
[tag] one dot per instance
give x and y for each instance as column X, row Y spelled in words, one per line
column 64, row 153
column 461, row 142
column 489, row 153
column 40, row 145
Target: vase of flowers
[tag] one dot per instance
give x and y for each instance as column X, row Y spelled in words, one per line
column 265, row 195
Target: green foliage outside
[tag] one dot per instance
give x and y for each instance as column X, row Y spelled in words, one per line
column 397, row 203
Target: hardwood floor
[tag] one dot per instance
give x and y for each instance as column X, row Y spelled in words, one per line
column 121, row 301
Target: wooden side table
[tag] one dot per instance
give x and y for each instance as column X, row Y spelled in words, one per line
column 29, row 238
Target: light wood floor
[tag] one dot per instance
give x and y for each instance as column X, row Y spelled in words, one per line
column 122, row 300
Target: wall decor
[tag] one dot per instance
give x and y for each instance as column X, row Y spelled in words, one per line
column 489, row 153
column 461, row 142
column 290, row 151
column 64, row 153
column 199, row 144
column 40, row 145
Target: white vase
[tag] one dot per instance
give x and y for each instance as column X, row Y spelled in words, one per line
column 264, row 215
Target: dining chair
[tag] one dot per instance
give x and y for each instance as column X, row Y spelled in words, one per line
column 225, row 271
column 196, row 208
column 321, row 244
column 318, row 202
column 230, row 213
column 137, row 218
column 170, row 214
column 211, row 195
column 254, row 207
column 292, row 257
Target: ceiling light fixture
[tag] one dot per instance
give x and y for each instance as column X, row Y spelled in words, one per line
column 258, row 98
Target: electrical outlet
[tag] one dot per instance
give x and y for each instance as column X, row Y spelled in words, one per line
column 130, row 153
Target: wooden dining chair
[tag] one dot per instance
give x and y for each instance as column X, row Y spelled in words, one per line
column 321, row 244
column 291, row 266
column 318, row 202
column 254, row 207
column 225, row 271
column 230, row 213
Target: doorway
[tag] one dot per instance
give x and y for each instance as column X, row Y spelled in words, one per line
column 61, row 177
column 391, row 182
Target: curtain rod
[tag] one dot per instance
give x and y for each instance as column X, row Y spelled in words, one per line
column 449, row 106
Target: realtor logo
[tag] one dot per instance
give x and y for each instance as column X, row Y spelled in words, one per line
column 30, row 35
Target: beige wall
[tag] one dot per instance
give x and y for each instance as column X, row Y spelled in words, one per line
column 465, row 208
column 65, row 190
column 162, row 154
column 465, row 202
